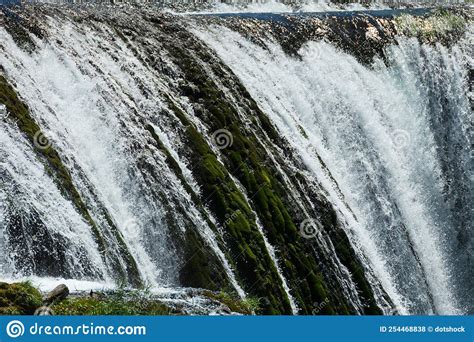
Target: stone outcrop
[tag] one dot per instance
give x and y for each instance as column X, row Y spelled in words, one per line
column 59, row 293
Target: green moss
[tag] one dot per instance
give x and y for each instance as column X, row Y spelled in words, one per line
column 172, row 163
column 302, row 131
column 142, row 303
column 348, row 259
column 201, row 269
column 11, row 311
column 20, row 112
column 436, row 26
column 223, row 197
column 246, row 157
column 247, row 306
column 19, row 299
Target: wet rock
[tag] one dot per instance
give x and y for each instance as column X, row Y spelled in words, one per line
column 59, row 293
column 223, row 311
column 372, row 33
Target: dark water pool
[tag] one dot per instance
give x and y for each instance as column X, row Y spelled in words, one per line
column 9, row 2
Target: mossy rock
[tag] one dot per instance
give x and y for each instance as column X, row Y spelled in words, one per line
column 308, row 274
column 247, row 248
column 10, row 311
column 440, row 26
column 202, row 268
column 19, row 299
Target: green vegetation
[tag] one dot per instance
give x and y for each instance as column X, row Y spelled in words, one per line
column 247, row 306
column 247, row 246
column 202, row 269
column 433, row 27
column 19, row 299
column 266, row 189
column 301, row 259
column 120, row 303
column 20, row 113
column 246, row 158
column 24, row 299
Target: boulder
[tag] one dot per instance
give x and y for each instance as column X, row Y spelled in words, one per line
column 59, row 293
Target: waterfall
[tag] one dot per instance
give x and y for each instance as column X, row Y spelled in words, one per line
column 194, row 152
column 381, row 132
column 86, row 116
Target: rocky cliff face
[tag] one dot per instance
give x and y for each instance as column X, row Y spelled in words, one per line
column 147, row 160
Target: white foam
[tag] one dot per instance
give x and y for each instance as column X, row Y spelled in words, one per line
column 350, row 114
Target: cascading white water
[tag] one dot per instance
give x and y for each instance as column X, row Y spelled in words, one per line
column 373, row 127
column 388, row 144
column 68, row 102
column 89, row 117
column 25, row 177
